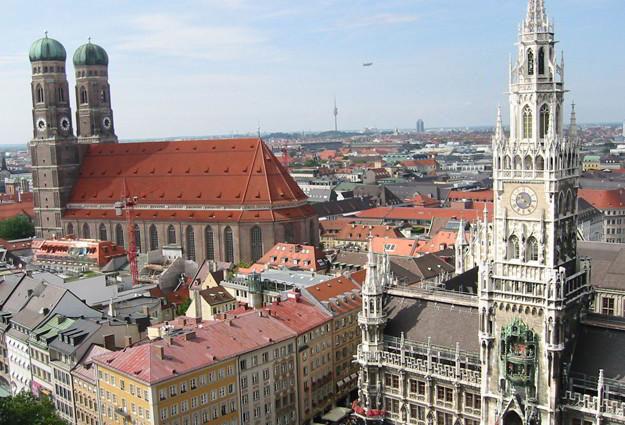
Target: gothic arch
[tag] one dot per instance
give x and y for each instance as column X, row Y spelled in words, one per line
column 512, row 418
column 528, row 122
column 210, row 243
column 530, row 62
column 86, row 232
column 541, row 61
column 190, row 243
column 119, row 234
column 518, row 162
column 39, row 94
column 171, row 234
column 256, row 241
column 540, row 163
column 84, row 98
column 562, row 203
column 507, row 163
column 70, row 229
column 102, row 232
column 545, row 119
column 528, row 163
column 60, row 95
column 531, row 251
column 137, row 233
column 228, row 245
column 153, row 237
column 514, row 250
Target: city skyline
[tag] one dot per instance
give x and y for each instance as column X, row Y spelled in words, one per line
column 224, row 67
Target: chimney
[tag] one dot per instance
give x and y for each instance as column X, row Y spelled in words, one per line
column 127, row 341
column 158, row 351
column 189, row 336
column 109, row 342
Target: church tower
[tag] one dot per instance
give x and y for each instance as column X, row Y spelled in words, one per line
column 53, row 147
column 94, row 115
column 532, row 287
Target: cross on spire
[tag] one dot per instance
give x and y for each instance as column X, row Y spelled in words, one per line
column 46, row 33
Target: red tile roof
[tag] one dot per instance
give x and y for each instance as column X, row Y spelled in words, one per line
column 420, row 213
column 341, row 293
column 478, row 195
column 11, row 208
column 292, row 256
column 212, row 342
column 359, row 232
column 298, row 314
column 429, row 163
column 232, row 172
column 67, row 249
column 604, row 198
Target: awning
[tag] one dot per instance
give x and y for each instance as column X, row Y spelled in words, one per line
column 354, row 375
column 336, row 414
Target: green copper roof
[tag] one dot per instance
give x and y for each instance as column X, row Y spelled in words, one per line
column 47, row 49
column 90, row 54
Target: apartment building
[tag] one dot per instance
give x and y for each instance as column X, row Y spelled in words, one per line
column 85, row 385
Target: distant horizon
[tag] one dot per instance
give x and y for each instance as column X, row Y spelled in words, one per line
column 229, row 66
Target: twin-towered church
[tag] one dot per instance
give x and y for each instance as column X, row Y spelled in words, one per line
column 226, row 200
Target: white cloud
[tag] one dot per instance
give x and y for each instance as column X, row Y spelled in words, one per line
column 379, row 19
column 181, row 37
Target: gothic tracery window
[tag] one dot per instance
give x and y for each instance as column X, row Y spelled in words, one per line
column 119, row 235
column 70, row 229
column 228, row 245
column 545, row 116
column 153, row 237
column 86, row 233
column 532, row 249
column 83, row 96
column 171, row 234
column 138, row 238
column 39, row 91
column 540, row 163
column 61, row 95
column 190, row 248
column 256, row 238
column 528, row 122
column 541, row 61
column 210, row 243
column 528, row 164
column 514, row 251
column 102, row 232
column 530, row 62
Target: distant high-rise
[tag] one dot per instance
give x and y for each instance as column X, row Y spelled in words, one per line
column 420, row 126
column 336, row 116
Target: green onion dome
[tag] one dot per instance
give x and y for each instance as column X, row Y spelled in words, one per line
column 47, row 49
column 90, row 54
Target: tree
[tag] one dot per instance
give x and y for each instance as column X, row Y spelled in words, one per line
column 26, row 409
column 181, row 310
column 17, row 227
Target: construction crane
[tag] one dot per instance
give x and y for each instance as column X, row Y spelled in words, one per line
column 126, row 205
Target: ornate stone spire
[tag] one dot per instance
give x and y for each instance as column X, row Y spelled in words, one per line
column 499, row 127
column 536, row 20
column 573, row 126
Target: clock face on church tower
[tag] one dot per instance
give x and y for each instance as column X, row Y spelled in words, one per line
column 523, row 200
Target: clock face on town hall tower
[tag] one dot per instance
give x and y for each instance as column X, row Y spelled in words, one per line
column 523, row 200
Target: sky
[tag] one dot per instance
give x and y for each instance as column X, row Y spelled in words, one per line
column 220, row 67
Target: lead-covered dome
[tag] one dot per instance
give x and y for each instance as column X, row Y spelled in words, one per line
column 47, row 49
column 90, row 54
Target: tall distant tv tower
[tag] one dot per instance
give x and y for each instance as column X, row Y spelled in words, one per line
column 336, row 116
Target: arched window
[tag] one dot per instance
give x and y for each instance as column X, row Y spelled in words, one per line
column 562, row 204
column 518, row 163
column 544, row 121
column 138, row 238
column 190, row 239
column 513, row 248
column 528, row 163
column 256, row 238
column 84, row 98
column 210, row 243
column 39, row 91
column 153, row 237
column 61, row 94
column 571, row 202
column 540, row 163
column 530, row 62
column 528, row 122
column 532, row 249
column 557, row 119
column 119, row 235
column 103, row 95
column 70, row 229
column 86, row 233
column 171, row 234
column 228, row 245
column 541, row 61
column 507, row 163
column 102, row 232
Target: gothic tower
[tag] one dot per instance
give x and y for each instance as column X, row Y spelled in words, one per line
column 94, row 115
column 53, row 147
column 532, row 287
column 372, row 321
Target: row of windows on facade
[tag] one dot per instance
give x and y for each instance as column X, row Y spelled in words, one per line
column 256, row 239
column 215, row 412
column 61, row 97
column 46, row 69
column 543, row 124
column 265, row 357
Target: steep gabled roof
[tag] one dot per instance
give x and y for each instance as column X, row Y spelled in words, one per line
column 231, row 172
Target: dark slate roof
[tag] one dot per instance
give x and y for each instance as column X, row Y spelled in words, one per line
column 38, row 307
column 415, row 269
column 445, row 324
column 19, row 297
column 591, row 352
column 465, row 282
column 608, row 263
column 344, row 206
column 8, row 283
column 80, row 331
column 216, row 295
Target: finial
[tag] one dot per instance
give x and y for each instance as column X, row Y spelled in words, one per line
column 89, row 40
column 46, row 33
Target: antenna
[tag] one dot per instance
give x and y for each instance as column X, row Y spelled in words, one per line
column 336, row 116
